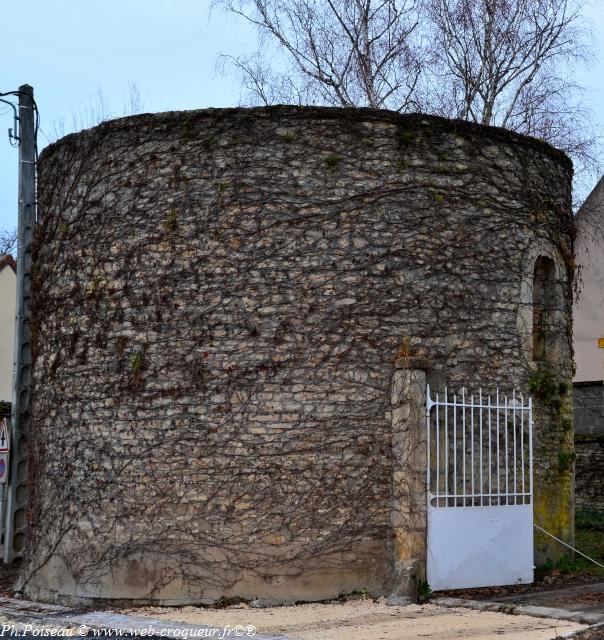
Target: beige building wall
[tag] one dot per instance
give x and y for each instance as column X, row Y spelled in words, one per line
column 588, row 318
column 8, row 296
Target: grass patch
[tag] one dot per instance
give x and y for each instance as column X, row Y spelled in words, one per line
column 589, row 534
column 591, row 543
column 589, row 520
column 589, row 539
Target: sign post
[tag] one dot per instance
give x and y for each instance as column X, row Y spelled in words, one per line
column 4, row 451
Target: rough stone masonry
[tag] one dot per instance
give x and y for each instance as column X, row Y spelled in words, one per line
column 220, row 301
column 588, row 406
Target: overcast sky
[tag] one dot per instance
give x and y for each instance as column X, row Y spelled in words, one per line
column 69, row 50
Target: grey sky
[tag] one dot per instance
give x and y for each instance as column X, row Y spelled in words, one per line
column 74, row 48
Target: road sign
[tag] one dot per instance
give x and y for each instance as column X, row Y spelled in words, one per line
column 3, row 468
column 4, row 441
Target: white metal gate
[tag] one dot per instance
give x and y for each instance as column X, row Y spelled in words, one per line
column 480, row 487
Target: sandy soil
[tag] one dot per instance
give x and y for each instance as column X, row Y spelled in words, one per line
column 368, row 620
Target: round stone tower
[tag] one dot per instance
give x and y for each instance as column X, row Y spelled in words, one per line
column 220, row 300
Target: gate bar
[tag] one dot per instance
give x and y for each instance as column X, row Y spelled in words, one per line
column 504, row 487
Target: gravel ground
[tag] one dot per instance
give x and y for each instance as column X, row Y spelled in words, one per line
column 368, row 620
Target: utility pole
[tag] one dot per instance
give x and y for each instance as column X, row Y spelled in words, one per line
column 14, row 532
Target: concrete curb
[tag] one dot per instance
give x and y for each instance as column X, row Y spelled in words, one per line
column 581, row 634
column 580, row 617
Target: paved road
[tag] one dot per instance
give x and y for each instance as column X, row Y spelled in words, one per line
column 21, row 617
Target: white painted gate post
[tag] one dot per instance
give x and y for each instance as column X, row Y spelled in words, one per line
column 408, row 510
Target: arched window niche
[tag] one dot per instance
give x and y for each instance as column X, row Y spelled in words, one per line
column 541, row 313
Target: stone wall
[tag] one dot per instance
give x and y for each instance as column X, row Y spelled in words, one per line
column 588, row 407
column 220, row 298
column 589, row 471
column 588, row 402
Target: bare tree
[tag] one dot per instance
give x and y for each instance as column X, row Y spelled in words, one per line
column 509, row 63
column 8, row 242
column 336, row 52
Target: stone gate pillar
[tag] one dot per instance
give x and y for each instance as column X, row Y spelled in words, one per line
column 408, row 509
